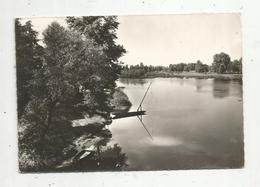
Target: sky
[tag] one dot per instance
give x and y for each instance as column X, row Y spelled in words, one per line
column 171, row 39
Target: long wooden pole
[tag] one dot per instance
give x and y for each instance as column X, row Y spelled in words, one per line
column 140, row 105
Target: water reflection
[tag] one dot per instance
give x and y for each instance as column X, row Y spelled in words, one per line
column 141, row 120
column 199, row 85
column 191, row 127
column 133, row 81
column 221, row 88
column 165, row 141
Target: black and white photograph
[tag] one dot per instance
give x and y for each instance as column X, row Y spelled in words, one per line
column 129, row 92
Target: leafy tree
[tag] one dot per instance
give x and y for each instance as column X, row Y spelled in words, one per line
column 180, row 67
column 54, row 87
column 186, row 68
column 28, row 60
column 102, row 29
column 221, row 68
column 76, row 76
column 173, row 67
column 73, row 75
column 221, row 62
column 200, row 67
column 240, row 65
column 191, row 66
column 236, row 66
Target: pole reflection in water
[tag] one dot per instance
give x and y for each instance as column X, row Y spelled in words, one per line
column 140, row 119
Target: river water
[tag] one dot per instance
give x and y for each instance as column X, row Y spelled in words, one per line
column 191, row 124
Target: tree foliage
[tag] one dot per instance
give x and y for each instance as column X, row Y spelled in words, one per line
column 75, row 74
column 102, row 30
column 221, row 62
column 28, row 59
column 141, row 70
column 236, row 66
column 201, row 68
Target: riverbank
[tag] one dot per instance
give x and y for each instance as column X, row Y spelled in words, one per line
column 166, row 74
column 87, row 145
column 120, row 101
column 93, row 135
column 76, row 140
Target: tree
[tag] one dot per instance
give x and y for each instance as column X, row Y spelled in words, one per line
column 200, row 67
column 236, row 66
column 28, row 60
column 192, row 66
column 102, row 29
column 76, row 76
column 177, row 67
column 240, row 65
column 221, row 68
column 221, row 62
column 186, row 68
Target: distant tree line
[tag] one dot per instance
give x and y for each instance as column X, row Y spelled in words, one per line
column 139, row 70
column 221, row 64
column 197, row 67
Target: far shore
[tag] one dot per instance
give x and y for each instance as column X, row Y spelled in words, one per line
column 165, row 74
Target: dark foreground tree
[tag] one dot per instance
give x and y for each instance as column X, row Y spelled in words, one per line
column 76, row 76
column 101, row 30
column 28, row 59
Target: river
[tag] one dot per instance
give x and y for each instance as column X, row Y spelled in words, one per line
column 192, row 124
